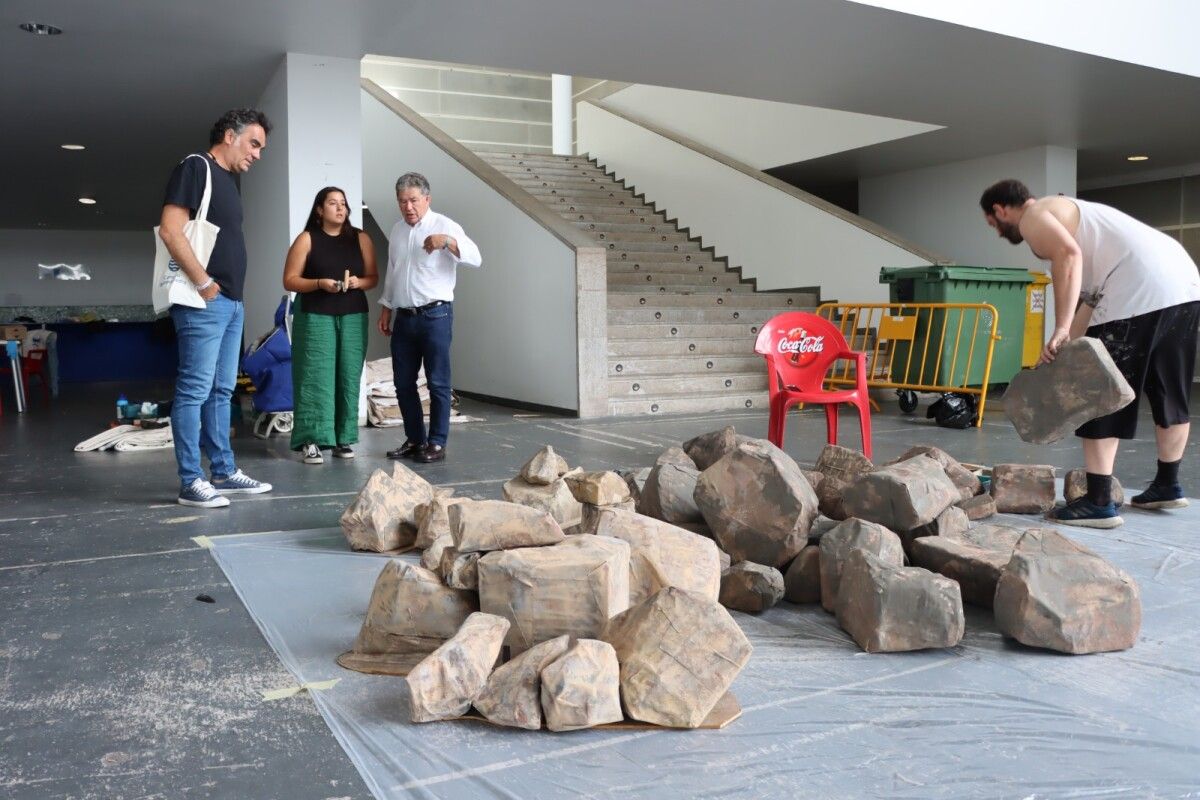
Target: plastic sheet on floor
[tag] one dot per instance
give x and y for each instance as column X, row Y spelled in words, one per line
column 989, row 718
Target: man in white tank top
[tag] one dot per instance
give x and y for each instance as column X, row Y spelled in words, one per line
column 1136, row 290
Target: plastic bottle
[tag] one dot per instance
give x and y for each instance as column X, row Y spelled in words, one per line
column 121, row 403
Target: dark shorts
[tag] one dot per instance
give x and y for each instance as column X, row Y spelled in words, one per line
column 1156, row 353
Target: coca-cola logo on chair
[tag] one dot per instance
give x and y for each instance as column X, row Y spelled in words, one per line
column 800, row 348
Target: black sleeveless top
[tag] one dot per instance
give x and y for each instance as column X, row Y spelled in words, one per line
column 330, row 257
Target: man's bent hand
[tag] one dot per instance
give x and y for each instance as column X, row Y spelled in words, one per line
column 385, row 322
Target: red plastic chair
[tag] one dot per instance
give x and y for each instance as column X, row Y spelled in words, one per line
column 34, row 363
column 799, row 349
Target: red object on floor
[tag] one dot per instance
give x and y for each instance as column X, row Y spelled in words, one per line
column 799, row 349
column 34, row 363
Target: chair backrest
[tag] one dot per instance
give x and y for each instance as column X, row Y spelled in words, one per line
column 800, row 348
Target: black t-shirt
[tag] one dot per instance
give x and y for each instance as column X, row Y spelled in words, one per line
column 227, row 265
column 330, row 257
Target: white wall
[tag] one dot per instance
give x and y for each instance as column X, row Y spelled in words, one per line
column 760, row 133
column 939, row 206
column 121, row 264
column 1153, row 33
column 313, row 103
column 514, row 320
column 776, row 238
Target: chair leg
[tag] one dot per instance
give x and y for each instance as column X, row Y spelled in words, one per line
column 778, row 423
column 864, row 426
column 831, row 423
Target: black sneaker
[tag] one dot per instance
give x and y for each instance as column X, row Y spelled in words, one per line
column 1160, row 497
column 406, row 450
column 1083, row 513
column 343, row 451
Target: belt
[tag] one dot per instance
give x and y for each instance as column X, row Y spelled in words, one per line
column 412, row 312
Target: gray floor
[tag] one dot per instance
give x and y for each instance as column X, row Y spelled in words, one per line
column 116, row 683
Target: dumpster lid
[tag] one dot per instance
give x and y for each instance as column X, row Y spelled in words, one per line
column 934, row 272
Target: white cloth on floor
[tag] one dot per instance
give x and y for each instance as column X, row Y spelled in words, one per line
column 126, row 438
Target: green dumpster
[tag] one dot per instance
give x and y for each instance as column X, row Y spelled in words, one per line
column 1002, row 287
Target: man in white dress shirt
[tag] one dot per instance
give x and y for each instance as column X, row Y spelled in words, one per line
column 424, row 251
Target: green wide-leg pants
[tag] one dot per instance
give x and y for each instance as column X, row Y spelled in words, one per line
column 327, row 363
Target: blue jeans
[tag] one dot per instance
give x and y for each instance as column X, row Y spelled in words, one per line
column 210, row 342
column 423, row 338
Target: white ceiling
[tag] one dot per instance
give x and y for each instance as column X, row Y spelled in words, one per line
column 760, row 133
column 140, row 81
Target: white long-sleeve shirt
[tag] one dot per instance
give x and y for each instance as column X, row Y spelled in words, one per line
column 416, row 278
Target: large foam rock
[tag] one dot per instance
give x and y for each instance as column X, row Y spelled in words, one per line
column 582, row 687
column 750, row 587
column 709, row 448
column 411, row 613
column 433, row 518
column 679, row 653
column 447, row 682
column 1075, row 487
column 1059, row 595
column 591, row 514
column 486, row 525
column 676, row 456
column 431, row 557
column 554, row 498
column 968, row 482
column 951, row 521
column 973, row 559
column 382, row 516
column 840, row 467
column 1023, row 488
column 544, row 468
column 668, row 494
column 888, row 608
column 981, row 506
column 570, row 588
column 597, row 488
column 662, row 555
column 1081, row 384
column 513, row 694
column 459, row 570
column 636, row 481
column 802, row 581
column 901, row 496
column 758, row 504
column 843, row 539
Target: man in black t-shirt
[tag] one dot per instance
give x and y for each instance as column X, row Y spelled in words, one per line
column 210, row 338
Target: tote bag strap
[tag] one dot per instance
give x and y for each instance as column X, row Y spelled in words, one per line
column 202, row 212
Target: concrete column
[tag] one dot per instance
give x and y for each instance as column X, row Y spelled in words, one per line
column 314, row 105
column 561, row 115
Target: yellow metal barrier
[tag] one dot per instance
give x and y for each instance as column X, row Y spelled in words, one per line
column 919, row 347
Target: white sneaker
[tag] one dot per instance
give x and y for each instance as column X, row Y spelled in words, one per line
column 312, row 454
column 201, row 494
column 239, row 483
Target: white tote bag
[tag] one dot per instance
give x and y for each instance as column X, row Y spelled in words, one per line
column 171, row 284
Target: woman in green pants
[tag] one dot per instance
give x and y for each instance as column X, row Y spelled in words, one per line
column 330, row 265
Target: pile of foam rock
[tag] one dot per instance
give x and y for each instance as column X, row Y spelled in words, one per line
column 587, row 597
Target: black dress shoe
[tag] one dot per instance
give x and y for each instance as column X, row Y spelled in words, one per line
column 407, row 450
column 431, row 453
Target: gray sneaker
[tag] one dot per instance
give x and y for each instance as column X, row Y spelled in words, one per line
column 239, row 483
column 200, row 494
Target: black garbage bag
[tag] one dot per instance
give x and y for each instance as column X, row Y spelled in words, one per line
column 953, row 410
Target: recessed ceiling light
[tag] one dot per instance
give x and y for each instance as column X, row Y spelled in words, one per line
column 1137, row 158
column 88, row 201
column 72, row 147
column 40, row 29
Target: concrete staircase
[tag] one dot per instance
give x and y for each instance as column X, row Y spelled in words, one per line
column 681, row 323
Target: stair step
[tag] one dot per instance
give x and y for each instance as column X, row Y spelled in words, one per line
column 652, row 279
column 644, row 256
column 639, row 249
column 740, row 344
column 630, row 217
column 567, row 206
column 694, row 316
column 666, row 289
column 626, row 239
column 700, row 267
column 663, row 385
column 630, row 226
column 780, row 302
column 710, row 365
column 534, row 158
column 697, row 403
column 675, row 332
column 590, row 193
column 582, row 179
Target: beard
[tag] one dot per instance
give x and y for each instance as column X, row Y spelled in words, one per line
column 1010, row 232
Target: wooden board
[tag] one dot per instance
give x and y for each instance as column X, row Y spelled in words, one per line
column 397, row 664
